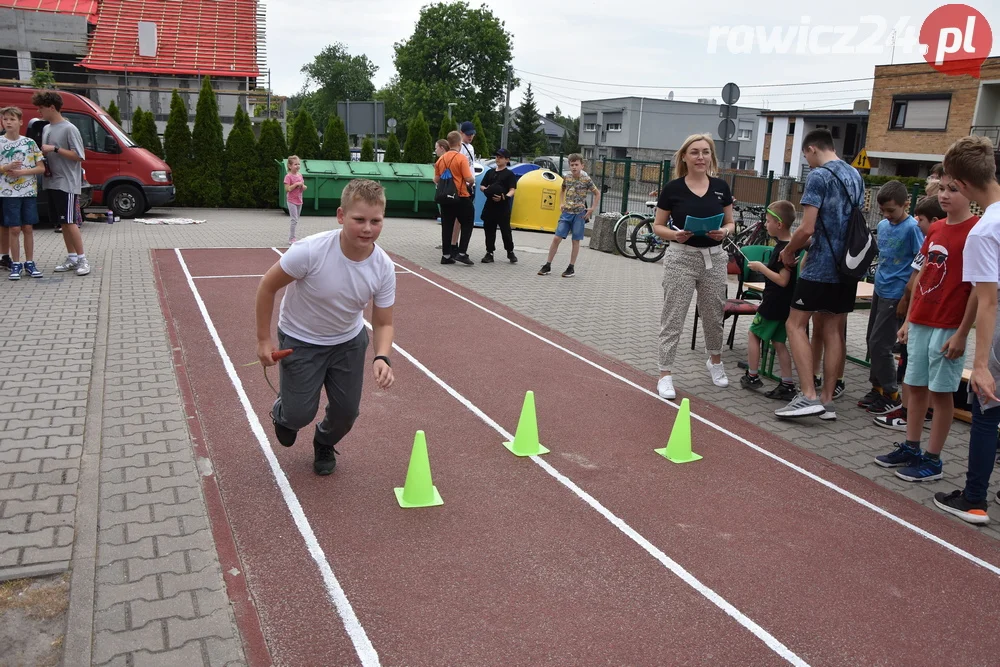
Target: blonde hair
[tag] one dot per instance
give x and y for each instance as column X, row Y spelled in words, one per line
column 454, row 139
column 364, row 190
column 932, row 188
column 14, row 111
column 288, row 162
column 680, row 167
column 443, row 143
column 971, row 160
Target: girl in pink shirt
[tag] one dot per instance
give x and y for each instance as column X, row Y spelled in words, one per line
column 294, row 187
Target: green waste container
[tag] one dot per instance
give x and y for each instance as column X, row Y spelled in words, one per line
column 409, row 188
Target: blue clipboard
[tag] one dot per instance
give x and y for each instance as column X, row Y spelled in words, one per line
column 702, row 226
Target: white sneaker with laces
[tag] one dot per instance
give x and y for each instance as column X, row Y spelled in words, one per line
column 68, row 265
column 665, row 387
column 82, row 266
column 718, row 372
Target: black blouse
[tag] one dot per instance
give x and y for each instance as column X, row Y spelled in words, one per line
column 677, row 198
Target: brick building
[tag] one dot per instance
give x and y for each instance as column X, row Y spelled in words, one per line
column 917, row 112
column 780, row 134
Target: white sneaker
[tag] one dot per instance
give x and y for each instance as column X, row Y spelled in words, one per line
column 82, row 266
column 665, row 387
column 68, row 265
column 718, row 372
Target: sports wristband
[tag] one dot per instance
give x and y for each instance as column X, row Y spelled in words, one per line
column 383, row 358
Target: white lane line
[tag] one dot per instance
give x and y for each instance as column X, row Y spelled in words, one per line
column 362, row 645
column 830, row 485
column 685, row 576
column 243, row 275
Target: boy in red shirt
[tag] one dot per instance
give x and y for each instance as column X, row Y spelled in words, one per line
column 935, row 331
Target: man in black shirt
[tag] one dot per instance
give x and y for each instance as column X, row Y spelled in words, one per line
column 498, row 184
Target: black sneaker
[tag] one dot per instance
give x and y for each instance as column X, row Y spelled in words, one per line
column 751, row 381
column 545, row 270
column 512, row 257
column 325, row 458
column 783, row 392
column 569, row 272
column 488, row 259
column 6, row 263
column 883, row 405
column 818, row 381
column 462, row 258
column 839, row 389
column 901, row 457
column 447, row 260
column 286, row 436
column 869, row 398
column 956, row 503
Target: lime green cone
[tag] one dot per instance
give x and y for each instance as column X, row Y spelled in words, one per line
column 678, row 449
column 419, row 489
column 526, row 439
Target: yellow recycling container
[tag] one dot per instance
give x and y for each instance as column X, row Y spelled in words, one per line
column 537, row 201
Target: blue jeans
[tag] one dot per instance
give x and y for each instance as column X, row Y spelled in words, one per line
column 982, row 451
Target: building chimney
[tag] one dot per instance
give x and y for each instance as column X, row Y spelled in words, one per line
column 860, row 106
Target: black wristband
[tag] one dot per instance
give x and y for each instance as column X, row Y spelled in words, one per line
column 383, row 358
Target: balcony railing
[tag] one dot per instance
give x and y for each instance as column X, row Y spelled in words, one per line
column 992, row 132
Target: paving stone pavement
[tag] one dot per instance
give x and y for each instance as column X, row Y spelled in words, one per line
column 97, row 470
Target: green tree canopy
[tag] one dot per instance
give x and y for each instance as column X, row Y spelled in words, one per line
column 114, row 112
column 177, row 149
column 305, row 138
column 152, row 134
column 335, row 144
column 480, row 142
column 270, row 149
column 392, row 153
column 138, row 128
column 241, row 171
column 526, row 140
column 368, row 150
column 391, row 95
column 333, row 76
column 419, row 147
column 207, row 148
column 447, row 125
column 455, row 54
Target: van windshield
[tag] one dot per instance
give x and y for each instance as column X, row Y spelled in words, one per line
column 119, row 134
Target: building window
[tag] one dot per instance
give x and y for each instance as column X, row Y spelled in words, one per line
column 614, row 127
column 745, row 163
column 770, row 126
column 746, row 134
column 590, row 127
column 835, row 131
column 763, row 169
column 920, row 113
column 791, row 127
column 788, row 168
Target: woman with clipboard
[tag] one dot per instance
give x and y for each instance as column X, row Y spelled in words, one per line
column 695, row 213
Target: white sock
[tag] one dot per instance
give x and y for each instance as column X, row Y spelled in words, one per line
column 72, row 256
column 81, row 256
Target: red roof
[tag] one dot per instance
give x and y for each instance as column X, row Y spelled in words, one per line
column 85, row 8
column 210, row 37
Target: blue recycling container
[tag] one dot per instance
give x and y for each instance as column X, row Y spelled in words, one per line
column 523, row 168
column 480, row 199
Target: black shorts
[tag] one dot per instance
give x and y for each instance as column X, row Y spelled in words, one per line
column 833, row 298
column 61, row 207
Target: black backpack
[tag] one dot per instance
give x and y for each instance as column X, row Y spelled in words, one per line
column 446, row 190
column 860, row 247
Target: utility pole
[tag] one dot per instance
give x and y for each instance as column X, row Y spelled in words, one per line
column 506, row 111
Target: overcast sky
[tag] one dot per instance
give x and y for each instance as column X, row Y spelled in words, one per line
column 645, row 47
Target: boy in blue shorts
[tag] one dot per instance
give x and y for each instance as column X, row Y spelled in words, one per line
column 769, row 322
column 20, row 162
column 574, row 213
column 937, row 325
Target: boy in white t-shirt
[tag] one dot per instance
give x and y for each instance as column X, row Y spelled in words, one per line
column 972, row 166
column 330, row 277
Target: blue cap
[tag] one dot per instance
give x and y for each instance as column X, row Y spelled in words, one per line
column 468, row 128
column 503, row 152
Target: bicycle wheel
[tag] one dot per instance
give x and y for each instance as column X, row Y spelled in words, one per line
column 648, row 246
column 623, row 233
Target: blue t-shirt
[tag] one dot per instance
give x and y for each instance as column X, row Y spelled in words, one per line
column 897, row 246
column 823, row 192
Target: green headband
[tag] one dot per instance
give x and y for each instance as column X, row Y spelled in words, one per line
column 775, row 215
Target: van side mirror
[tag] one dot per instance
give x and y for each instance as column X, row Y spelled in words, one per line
column 110, row 145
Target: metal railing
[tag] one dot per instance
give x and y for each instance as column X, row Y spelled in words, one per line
column 991, row 132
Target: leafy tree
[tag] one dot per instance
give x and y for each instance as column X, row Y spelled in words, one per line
column 177, row 149
column 270, row 149
column 42, row 77
column 207, row 149
column 479, row 142
column 337, row 76
column 114, row 112
column 392, row 153
column 419, row 147
column 447, row 125
column 138, row 128
column 152, row 135
column 391, row 96
column 368, row 150
column 525, row 139
column 452, row 56
column 335, row 144
column 305, row 138
column 241, row 170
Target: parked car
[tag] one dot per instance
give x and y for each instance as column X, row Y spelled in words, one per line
column 122, row 176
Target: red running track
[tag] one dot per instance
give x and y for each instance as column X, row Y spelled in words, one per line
column 516, row 568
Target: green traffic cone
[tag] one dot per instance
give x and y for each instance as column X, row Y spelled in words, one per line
column 526, row 439
column 419, row 489
column 678, row 449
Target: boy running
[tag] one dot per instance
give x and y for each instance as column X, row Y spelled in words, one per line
column 935, row 331
column 331, row 278
column 20, row 163
column 769, row 323
column 574, row 213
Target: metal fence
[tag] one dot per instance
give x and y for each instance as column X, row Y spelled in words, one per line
column 627, row 184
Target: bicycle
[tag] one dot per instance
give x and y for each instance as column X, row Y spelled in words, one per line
column 756, row 232
column 624, row 230
column 647, row 246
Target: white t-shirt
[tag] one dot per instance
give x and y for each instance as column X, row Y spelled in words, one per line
column 325, row 304
column 470, row 154
column 981, row 264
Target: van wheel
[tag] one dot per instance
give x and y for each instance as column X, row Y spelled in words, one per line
column 126, row 201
